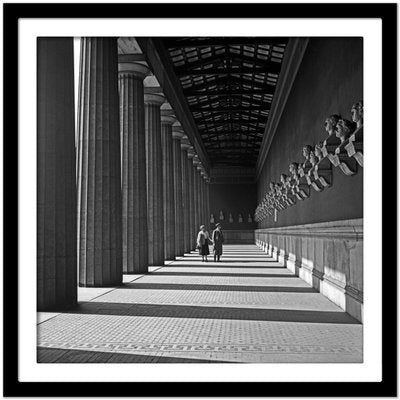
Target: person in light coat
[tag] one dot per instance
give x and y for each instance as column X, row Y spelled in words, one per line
column 203, row 241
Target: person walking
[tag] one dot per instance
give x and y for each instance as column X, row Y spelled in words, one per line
column 217, row 239
column 203, row 240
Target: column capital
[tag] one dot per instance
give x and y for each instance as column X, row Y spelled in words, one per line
column 154, row 98
column 190, row 152
column 177, row 132
column 135, row 69
column 167, row 118
column 185, row 144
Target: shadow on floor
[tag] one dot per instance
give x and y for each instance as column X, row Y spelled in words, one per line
column 226, row 274
column 220, row 288
column 213, row 265
column 222, row 313
column 56, row 355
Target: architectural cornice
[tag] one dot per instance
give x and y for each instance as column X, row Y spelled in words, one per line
column 351, row 229
column 291, row 62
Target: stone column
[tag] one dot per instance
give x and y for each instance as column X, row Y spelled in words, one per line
column 192, row 218
column 185, row 144
column 196, row 183
column 99, row 165
column 201, row 196
column 208, row 200
column 56, row 186
column 154, row 164
column 134, row 196
column 168, row 178
column 177, row 135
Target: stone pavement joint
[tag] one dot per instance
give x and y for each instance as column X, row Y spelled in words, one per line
column 247, row 308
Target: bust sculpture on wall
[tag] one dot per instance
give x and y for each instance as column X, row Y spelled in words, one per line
column 240, row 218
column 230, row 218
column 311, row 179
column 300, row 191
column 212, row 219
column 318, row 151
column 221, row 216
column 287, row 192
column 307, row 149
column 344, row 128
column 355, row 146
column 330, row 123
column 249, row 219
column 357, row 113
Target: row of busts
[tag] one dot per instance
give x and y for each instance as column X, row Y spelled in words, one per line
column 221, row 217
column 343, row 149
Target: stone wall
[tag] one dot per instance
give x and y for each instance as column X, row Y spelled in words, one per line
column 328, row 256
column 329, row 81
column 239, row 236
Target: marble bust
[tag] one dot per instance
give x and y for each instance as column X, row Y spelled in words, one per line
column 314, row 159
column 330, row 123
column 293, row 169
column 344, row 128
column 306, row 151
column 357, row 113
column 249, row 219
column 212, row 218
column 318, row 152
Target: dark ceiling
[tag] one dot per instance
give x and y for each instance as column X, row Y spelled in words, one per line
column 229, row 84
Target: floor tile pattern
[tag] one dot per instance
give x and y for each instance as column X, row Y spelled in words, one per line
column 247, row 308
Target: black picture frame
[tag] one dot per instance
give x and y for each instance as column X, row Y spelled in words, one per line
column 12, row 387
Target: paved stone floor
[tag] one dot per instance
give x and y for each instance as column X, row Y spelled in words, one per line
column 247, row 308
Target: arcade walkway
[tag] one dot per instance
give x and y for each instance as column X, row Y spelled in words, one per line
column 248, row 308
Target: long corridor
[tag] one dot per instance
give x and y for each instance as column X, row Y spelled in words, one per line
column 247, row 308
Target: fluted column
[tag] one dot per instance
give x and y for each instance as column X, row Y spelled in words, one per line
column 199, row 199
column 177, row 135
column 192, row 218
column 154, row 163
column 196, row 182
column 185, row 144
column 134, row 196
column 208, row 200
column 56, row 186
column 99, row 165
column 202, row 199
column 168, row 178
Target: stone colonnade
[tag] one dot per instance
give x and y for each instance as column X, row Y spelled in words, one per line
column 130, row 193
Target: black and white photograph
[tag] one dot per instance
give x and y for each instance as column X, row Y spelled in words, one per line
column 201, row 199
column 195, row 216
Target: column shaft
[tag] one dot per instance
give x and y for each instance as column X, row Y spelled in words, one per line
column 134, row 196
column 56, row 186
column 99, row 166
column 185, row 201
column 176, row 150
column 169, row 194
column 199, row 202
column 195, row 200
column 192, row 241
column 154, row 164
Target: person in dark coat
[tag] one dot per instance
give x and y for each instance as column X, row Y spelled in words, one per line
column 217, row 239
column 203, row 240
